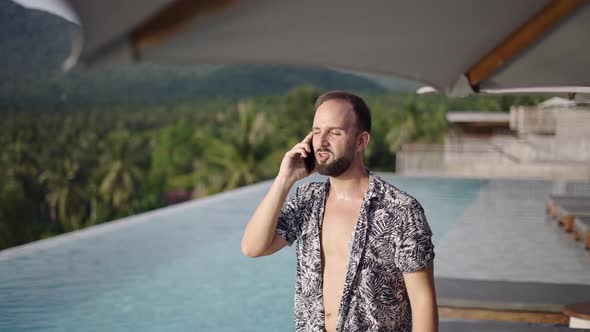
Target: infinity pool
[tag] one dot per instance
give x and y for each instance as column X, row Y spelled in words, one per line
column 176, row 269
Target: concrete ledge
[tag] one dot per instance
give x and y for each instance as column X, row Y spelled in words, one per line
column 509, row 295
column 110, row 226
column 532, row 317
column 499, row 305
column 533, row 302
column 486, row 326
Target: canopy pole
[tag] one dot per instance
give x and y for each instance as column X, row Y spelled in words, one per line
column 172, row 20
column 520, row 39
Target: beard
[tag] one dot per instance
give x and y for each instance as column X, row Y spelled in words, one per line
column 338, row 166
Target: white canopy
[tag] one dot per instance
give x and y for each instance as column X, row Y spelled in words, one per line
column 459, row 47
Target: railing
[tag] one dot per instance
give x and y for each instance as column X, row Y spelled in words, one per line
column 526, row 119
column 438, row 158
column 477, row 159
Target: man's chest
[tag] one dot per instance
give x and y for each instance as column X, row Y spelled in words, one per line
column 338, row 226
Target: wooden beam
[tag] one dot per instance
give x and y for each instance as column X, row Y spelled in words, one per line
column 523, row 37
column 579, row 310
column 172, row 20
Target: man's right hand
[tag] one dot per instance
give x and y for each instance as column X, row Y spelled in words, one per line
column 260, row 236
column 293, row 166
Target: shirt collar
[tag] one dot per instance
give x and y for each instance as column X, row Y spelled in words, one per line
column 375, row 185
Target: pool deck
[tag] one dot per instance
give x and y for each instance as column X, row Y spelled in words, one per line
column 505, row 260
column 504, row 236
column 509, row 295
column 479, row 326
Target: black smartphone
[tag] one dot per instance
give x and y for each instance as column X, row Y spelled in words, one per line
column 309, row 161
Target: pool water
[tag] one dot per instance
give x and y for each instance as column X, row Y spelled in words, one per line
column 176, row 269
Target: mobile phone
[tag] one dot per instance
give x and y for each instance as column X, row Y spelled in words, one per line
column 309, row 161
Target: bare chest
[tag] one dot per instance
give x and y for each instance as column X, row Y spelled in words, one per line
column 337, row 231
column 338, row 227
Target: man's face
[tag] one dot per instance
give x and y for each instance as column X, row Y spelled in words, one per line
column 334, row 137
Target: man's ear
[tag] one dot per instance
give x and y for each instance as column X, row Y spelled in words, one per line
column 363, row 140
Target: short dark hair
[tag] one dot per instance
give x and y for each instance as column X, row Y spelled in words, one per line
column 360, row 108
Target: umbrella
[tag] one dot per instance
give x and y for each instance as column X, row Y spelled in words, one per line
column 459, row 47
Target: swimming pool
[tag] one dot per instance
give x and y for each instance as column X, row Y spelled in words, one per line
column 176, row 269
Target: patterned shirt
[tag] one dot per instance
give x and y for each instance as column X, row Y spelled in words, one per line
column 391, row 237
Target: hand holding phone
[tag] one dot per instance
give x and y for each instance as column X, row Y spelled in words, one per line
column 299, row 162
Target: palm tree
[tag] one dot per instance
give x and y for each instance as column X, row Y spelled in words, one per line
column 16, row 215
column 22, row 168
column 241, row 153
column 65, row 196
column 119, row 183
column 121, row 160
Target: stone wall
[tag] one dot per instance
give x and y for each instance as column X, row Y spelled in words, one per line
column 545, row 143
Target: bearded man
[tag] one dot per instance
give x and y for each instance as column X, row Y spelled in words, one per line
column 364, row 249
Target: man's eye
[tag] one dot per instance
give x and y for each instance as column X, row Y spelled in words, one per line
column 336, row 132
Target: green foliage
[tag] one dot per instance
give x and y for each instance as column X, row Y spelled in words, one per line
column 175, row 151
column 16, row 218
column 68, row 170
column 121, row 167
column 296, row 116
column 65, row 196
column 238, row 150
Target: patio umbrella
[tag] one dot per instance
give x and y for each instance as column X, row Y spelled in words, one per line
column 458, row 47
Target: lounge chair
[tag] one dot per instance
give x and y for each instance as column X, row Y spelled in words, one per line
column 581, row 188
column 582, row 229
column 566, row 213
column 553, row 201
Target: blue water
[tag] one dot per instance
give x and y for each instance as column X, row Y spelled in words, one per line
column 180, row 269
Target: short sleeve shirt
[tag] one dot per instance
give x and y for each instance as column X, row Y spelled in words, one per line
column 392, row 237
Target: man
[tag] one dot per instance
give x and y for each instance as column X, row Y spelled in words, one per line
column 364, row 249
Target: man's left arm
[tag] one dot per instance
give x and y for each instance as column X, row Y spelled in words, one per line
column 422, row 294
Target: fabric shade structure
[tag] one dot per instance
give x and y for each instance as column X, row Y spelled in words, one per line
column 458, row 47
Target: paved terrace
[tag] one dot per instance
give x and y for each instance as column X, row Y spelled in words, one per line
column 504, row 236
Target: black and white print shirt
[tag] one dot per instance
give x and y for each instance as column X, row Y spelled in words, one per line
column 391, row 237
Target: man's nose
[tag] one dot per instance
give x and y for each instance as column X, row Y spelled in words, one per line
column 324, row 139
